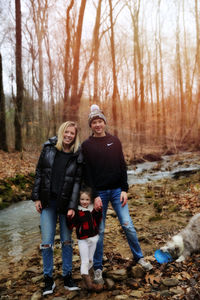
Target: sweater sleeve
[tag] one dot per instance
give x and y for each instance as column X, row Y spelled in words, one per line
column 124, row 179
column 97, row 215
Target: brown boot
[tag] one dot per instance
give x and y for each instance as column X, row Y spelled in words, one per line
column 90, row 285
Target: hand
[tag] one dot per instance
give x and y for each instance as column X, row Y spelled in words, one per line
column 38, row 206
column 70, row 213
column 97, row 203
column 123, row 198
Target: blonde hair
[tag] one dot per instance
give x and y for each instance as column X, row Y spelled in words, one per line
column 74, row 147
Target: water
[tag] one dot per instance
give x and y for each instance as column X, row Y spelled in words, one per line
column 150, row 171
column 19, row 230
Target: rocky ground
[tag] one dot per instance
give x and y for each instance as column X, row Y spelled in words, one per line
column 158, row 209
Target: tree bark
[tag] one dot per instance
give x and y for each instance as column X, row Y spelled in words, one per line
column 19, row 79
column 115, row 94
column 75, row 99
column 3, row 141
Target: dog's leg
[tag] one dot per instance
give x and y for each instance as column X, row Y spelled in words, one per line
column 180, row 259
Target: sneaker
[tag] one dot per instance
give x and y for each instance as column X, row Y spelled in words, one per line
column 49, row 285
column 145, row 264
column 98, row 276
column 69, row 283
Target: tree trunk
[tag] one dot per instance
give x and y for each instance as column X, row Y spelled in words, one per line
column 67, row 64
column 96, row 53
column 115, row 94
column 75, row 98
column 3, row 142
column 19, row 79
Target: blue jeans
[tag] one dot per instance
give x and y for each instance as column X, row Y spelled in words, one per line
column 126, row 222
column 48, row 220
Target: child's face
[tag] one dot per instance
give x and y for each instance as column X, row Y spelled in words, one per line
column 85, row 200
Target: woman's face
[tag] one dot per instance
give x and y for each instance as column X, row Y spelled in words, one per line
column 69, row 136
column 84, row 200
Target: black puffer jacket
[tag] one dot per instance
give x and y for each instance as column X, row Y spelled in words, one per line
column 69, row 195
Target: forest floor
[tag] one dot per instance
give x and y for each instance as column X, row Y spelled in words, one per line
column 158, row 209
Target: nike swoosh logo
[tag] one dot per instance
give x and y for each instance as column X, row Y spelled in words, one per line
column 109, row 144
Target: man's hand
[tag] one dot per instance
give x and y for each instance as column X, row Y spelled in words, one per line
column 123, row 198
column 70, row 213
column 38, row 206
column 97, row 203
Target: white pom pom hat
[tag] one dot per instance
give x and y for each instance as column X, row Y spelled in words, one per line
column 95, row 113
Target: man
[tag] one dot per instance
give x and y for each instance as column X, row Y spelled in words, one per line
column 105, row 172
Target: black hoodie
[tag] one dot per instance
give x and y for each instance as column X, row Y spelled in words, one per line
column 105, row 167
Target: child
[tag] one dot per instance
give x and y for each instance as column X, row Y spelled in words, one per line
column 86, row 221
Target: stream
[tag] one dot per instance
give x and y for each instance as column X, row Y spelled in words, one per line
column 19, row 223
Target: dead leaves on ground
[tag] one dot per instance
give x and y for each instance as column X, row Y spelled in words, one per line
column 17, row 163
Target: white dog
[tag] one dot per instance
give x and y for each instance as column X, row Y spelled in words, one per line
column 186, row 242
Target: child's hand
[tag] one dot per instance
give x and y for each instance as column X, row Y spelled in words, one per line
column 70, row 213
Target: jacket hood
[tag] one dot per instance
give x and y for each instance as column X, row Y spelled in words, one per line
column 51, row 141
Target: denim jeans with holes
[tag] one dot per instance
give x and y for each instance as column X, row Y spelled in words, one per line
column 48, row 220
column 126, row 222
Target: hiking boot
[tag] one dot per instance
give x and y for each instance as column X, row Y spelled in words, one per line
column 90, row 286
column 69, row 283
column 98, row 276
column 49, row 285
column 146, row 265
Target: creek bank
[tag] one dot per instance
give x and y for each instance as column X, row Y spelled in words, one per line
column 15, row 189
column 158, row 209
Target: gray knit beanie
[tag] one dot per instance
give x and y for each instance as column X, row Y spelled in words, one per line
column 95, row 113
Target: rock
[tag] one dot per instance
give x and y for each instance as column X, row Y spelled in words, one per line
column 119, row 274
column 177, row 290
column 70, row 296
column 137, row 271
column 76, row 258
column 165, row 293
column 133, row 284
column 36, row 296
column 111, row 213
column 33, row 270
column 109, row 283
column 37, row 278
column 121, row 297
column 116, row 292
column 170, row 281
column 137, row 294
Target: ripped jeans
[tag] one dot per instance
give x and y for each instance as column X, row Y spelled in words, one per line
column 126, row 222
column 48, row 220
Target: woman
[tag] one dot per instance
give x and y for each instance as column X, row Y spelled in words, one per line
column 56, row 192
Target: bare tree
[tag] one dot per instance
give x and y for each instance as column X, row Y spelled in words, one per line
column 96, row 52
column 3, row 141
column 75, row 98
column 67, row 75
column 19, row 79
column 180, row 77
column 115, row 94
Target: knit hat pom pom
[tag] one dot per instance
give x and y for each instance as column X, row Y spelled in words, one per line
column 94, row 107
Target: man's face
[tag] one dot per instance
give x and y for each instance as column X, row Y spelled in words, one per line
column 98, row 127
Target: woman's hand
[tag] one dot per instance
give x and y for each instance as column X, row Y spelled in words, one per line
column 97, row 203
column 70, row 213
column 38, row 206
